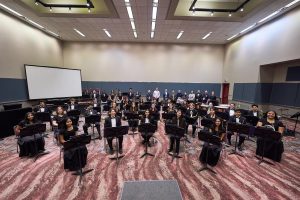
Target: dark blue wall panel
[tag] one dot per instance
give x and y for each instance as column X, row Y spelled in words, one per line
column 284, row 94
column 293, row 74
column 144, row 86
column 13, row 90
column 238, row 91
column 263, row 92
column 297, row 99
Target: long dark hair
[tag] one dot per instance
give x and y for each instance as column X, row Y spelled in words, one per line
column 64, row 122
column 266, row 114
column 26, row 117
column 214, row 125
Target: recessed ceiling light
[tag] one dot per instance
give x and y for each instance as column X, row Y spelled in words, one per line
column 10, row 10
column 107, row 33
column 246, row 29
column 230, row 14
column 77, row 31
column 292, row 3
column 135, row 34
column 269, row 16
column 36, row 24
column 212, row 13
column 206, row 36
column 179, row 35
column 232, row 37
column 152, row 34
column 242, row 9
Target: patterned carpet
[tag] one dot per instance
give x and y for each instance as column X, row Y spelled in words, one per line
column 237, row 177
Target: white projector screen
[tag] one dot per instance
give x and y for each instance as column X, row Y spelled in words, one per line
column 51, row 82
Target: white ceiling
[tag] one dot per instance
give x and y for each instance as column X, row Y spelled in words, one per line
column 166, row 30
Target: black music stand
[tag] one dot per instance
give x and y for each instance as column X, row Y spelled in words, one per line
column 43, row 117
column 73, row 143
column 93, row 119
column 73, row 113
column 211, row 140
column 208, row 123
column 253, row 121
column 115, row 132
column 147, row 129
column 97, row 109
column 168, row 116
column 175, row 131
column 32, row 130
column 222, row 115
column 238, row 128
column 265, row 134
column 296, row 115
column 133, row 121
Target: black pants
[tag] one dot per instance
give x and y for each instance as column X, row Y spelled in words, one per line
column 241, row 138
column 194, row 128
column 87, row 125
column 109, row 141
column 172, row 141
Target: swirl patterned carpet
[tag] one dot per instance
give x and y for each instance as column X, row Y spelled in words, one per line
column 236, row 178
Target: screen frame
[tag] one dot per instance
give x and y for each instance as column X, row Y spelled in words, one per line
column 55, row 68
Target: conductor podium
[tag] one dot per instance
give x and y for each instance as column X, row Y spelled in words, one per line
column 176, row 132
column 239, row 129
column 74, row 144
column 35, row 131
column 148, row 129
column 116, row 132
column 211, row 140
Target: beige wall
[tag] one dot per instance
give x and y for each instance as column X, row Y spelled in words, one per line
column 146, row 62
column 22, row 44
column 274, row 42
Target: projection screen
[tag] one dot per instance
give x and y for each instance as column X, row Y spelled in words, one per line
column 51, row 82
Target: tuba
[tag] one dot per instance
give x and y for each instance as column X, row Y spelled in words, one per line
column 269, row 127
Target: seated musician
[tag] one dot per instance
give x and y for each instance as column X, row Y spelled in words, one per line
column 71, row 160
column 213, row 150
column 231, row 109
column 104, row 97
column 153, row 109
column 29, row 145
column 166, row 95
column 198, row 97
column 130, row 95
column 57, row 119
column 254, row 111
column 147, row 118
column 156, row 95
column 173, row 96
column 113, row 121
column 273, row 149
column 240, row 120
column 179, row 120
column 205, row 97
column 149, row 96
column 179, row 94
column 212, row 97
column 192, row 96
column 112, row 95
column 192, row 115
column 72, row 105
column 114, row 106
column 137, row 97
column 211, row 114
column 90, row 111
column 42, row 107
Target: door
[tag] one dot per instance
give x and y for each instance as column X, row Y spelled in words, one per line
column 225, row 93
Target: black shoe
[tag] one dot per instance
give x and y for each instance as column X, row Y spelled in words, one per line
column 193, row 135
column 240, row 148
column 170, row 150
column 111, row 151
column 100, row 137
column 120, row 151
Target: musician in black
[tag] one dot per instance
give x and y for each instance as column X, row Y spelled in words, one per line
column 149, row 96
column 211, row 114
column 57, row 119
column 130, row 95
column 104, row 97
column 231, row 109
column 42, row 107
column 137, row 97
column 254, row 111
column 29, row 145
column 166, row 95
column 90, row 111
column 178, row 120
column 198, row 97
column 272, row 149
column 146, row 119
column 213, row 150
column 173, row 96
column 72, row 105
column 240, row 120
column 94, row 94
column 71, row 159
column 192, row 115
column 113, row 121
column 205, row 97
column 179, row 94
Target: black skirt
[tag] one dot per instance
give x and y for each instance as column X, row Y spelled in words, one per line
column 212, row 156
column 272, row 150
column 31, row 145
column 75, row 158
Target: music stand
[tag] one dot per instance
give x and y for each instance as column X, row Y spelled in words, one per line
column 265, row 134
column 93, row 119
column 73, row 143
column 43, row 117
column 238, row 128
column 32, row 130
column 211, row 140
column 207, row 122
column 147, row 129
column 177, row 132
column 168, row 116
column 116, row 132
column 222, row 115
column 97, row 109
column 253, row 121
column 73, row 113
column 133, row 121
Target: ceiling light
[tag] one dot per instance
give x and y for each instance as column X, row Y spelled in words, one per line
column 242, row 9
column 154, row 12
column 194, row 13
column 53, row 33
column 135, row 34
column 89, row 10
column 206, row 36
column 246, row 29
column 153, row 26
column 36, row 3
column 269, row 16
column 87, row 3
column 132, row 25
column 107, row 33
column 292, row 3
column 155, row 1
column 232, row 37
column 79, row 32
column 212, row 14
column 10, row 10
column 129, row 11
column 36, row 24
column 152, row 34
column 229, row 15
column 50, row 9
column 179, row 35
column 69, row 9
